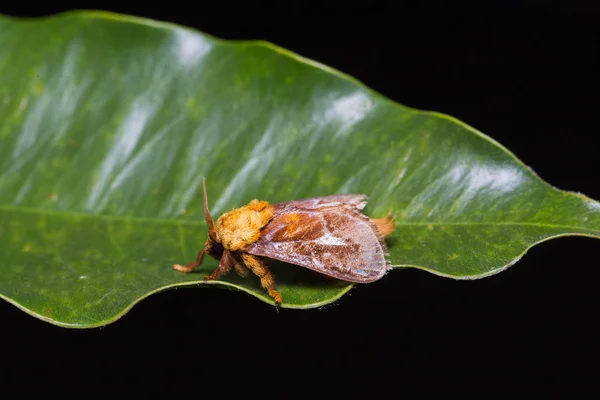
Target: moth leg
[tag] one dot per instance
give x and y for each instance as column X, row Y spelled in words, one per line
column 385, row 225
column 191, row 266
column 223, row 268
column 239, row 266
column 267, row 280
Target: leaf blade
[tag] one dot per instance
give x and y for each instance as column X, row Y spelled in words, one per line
column 107, row 139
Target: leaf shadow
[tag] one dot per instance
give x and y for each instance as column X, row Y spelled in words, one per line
column 288, row 275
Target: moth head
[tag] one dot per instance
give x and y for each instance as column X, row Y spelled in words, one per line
column 213, row 246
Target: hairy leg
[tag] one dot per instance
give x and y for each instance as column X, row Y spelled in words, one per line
column 385, row 225
column 191, row 266
column 239, row 266
column 267, row 280
column 223, row 268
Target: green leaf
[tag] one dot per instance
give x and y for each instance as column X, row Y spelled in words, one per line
column 109, row 124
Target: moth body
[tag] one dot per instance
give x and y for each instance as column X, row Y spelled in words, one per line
column 242, row 226
column 329, row 235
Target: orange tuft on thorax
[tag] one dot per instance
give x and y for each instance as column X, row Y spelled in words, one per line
column 241, row 227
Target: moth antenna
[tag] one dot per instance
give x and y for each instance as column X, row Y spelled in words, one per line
column 207, row 216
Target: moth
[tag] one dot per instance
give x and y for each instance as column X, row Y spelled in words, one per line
column 329, row 235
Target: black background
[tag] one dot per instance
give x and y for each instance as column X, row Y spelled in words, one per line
column 526, row 74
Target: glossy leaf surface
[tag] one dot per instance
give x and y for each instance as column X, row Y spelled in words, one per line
column 109, row 124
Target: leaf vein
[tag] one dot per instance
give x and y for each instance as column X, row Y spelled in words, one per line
column 183, row 222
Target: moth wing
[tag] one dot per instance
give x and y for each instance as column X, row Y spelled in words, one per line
column 357, row 201
column 336, row 241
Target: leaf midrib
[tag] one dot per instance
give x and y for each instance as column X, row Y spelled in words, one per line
column 37, row 210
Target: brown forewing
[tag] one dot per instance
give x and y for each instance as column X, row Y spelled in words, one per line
column 357, row 201
column 326, row 234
